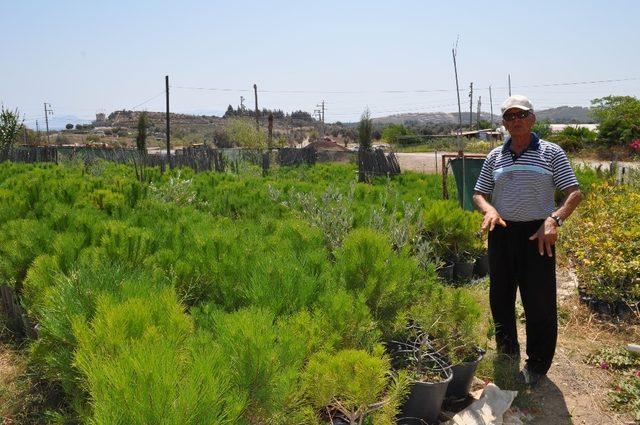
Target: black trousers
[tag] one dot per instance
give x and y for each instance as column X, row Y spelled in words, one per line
column 515, row 262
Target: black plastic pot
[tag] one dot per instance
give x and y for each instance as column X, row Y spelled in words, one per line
column 462, row 271
column 410, row 421
column 463, row 378
column 425, row 401
column 481, row 266
column 446, row 272
column 603, row 308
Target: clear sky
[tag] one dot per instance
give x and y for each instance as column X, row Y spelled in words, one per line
column 87, row 57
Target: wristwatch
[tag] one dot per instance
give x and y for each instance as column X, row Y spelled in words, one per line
column 558, row 220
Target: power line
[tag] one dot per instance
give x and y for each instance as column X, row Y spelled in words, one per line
column 568, row 83
column 149, row 100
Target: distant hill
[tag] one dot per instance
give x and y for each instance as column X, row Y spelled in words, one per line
column 566, row 115
column 59, row 122
column 559, row 115
column 421, row 118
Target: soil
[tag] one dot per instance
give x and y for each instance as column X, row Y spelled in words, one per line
column 12, row 369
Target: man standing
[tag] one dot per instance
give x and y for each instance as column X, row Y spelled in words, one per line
column 515, row 191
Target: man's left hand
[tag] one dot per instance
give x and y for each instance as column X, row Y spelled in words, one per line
column 546, row 236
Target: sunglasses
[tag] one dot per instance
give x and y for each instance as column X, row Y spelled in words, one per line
column 510, row 116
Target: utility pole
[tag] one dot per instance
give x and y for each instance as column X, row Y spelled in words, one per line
column 455, row 68
column 321, row 117
column 47, row 111
column 491, row 106
column 166, row 85
column 454, row 52
column 255, row 91
column 509, row 85
column 478, row 118
column 37, row 132
column 470, row 106
column 491, row 103
column 270, row 133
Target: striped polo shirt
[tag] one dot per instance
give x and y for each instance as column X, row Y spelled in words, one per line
column 522, row 188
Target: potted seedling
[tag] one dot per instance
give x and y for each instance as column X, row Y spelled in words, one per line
column 481, row 266
column 353, row 387
column 459, row 338
column 427, row 253
column 453, row 321
column 430, row 375
column 463, row 267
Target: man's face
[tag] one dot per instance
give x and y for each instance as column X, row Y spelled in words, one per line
column 518, row 126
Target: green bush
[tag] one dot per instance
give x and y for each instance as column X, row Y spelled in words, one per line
column 619, row 118
column 354, row 385
column 542, row 129
column 451, row 231
column 264, row 358
column 71, row 298
column 451, row 318
column 346, row 319
column 143, row 365
column 603, row 240
column 369, row 268
column 392, row 133
column 21, row 241
column 573, row 139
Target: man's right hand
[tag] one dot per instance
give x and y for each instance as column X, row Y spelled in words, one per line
column 491, row 218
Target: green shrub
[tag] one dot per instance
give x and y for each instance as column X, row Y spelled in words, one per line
column 39, row 281
column 122, row 243
column 21, row 241
column 368, row 267
column 573, row 139
column 346, row 319
column 72, row 298
column 619, row 118
column 452, row 231
column 603, row 239
column 354, row 385
column 265, row 360
column 392, row 133
column 143, row 365
column 451, row 318
column 243, row 133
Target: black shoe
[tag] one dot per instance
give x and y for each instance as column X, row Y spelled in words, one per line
column 529, row 378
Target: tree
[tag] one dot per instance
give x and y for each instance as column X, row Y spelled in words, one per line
column 243, row 132
column 301, row 115
column 393, row 132
column 618, row 117
column 69, row 126
column 141, row 138
column 365, row 130
column 9, row 128
column 230, row 112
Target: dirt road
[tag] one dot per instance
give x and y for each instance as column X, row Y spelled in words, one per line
column 431, row 162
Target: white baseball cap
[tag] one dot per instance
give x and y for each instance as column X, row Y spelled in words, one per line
column 517, row 101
